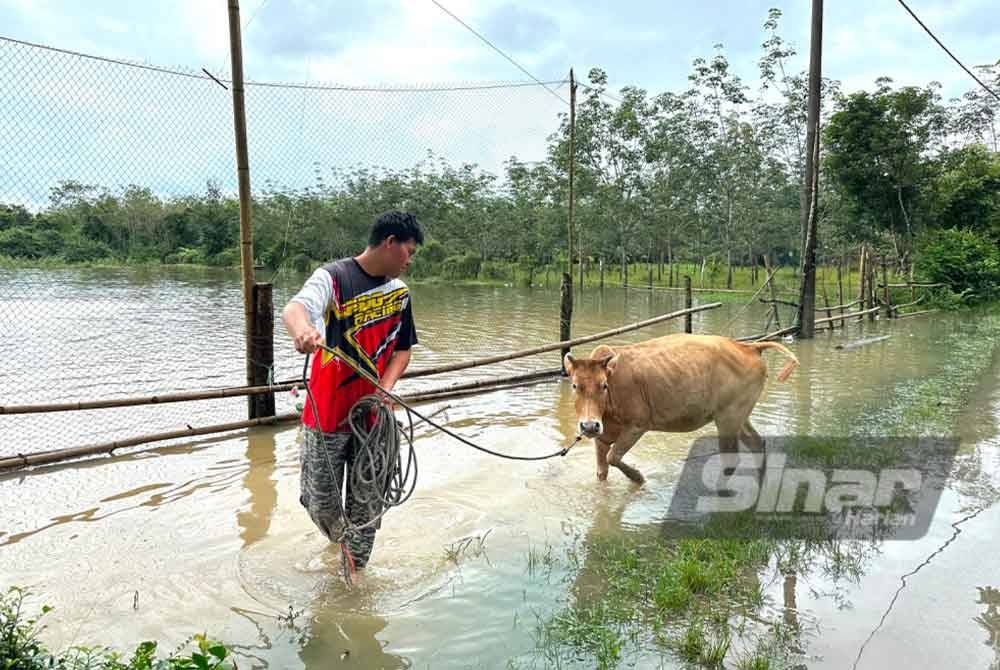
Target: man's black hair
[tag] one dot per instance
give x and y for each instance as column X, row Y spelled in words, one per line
column 401, row 224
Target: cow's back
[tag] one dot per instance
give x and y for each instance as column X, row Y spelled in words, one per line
column 678, row 382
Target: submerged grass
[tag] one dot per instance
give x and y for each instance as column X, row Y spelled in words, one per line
column 641, row 592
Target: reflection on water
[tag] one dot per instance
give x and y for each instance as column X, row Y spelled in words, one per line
column 260, row 486
column 211, row 534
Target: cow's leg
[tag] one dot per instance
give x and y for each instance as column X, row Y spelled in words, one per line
column 755, row 443
column 751, row 438
column 601, row 449
column 621, row 446
column 729, row 427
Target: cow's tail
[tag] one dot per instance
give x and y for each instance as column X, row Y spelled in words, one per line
column 789, row 364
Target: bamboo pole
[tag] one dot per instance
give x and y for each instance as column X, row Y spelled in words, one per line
column 559, row 345
column 55, row 455
column 457, row 390
column 908, row 304
column 840, row 307
column 497, row 385
column 767, row 336
column 183, row 396
column 741, row 291
column 485, row 383
column 238, row 391
column 926, row 311
column 861, row 343
column 243, row 177
column 912, row 285
column 848, row 316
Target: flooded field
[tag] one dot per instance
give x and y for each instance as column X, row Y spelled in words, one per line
column 208, row 535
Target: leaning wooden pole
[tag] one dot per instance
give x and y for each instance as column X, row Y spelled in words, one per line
column 243, row 177
column 559, row 345
column 56, row 455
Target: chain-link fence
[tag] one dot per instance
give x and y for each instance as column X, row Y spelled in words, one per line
column 118, row 195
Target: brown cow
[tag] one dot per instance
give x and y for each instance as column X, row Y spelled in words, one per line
column 675, row 384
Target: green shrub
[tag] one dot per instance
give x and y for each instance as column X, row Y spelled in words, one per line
column 461, row 267
column 968, row 263
column 21, row 649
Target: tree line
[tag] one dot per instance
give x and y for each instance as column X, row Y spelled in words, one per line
column 710, row 174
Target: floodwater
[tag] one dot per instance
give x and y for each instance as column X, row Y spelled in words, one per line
column 207, row 535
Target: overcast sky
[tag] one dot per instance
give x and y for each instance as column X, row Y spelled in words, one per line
column 645, row 43
column 649, row 44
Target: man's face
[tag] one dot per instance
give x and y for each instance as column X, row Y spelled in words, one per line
column 399, row 255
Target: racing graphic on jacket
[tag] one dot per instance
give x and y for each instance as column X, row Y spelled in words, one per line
column 365, row 330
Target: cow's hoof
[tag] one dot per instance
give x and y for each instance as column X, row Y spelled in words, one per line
column 602, row 476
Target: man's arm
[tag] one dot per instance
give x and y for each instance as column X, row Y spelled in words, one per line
column 304, row 310
column 395, row 368
column 300, row 328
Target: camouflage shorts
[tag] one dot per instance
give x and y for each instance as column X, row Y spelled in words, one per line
column 325, row 459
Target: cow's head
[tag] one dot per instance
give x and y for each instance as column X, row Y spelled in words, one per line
column 590, row 385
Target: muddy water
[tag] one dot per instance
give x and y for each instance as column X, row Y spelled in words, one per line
column 208, row 535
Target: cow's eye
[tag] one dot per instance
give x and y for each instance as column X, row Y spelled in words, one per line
column 574, row 387
column 604, row 386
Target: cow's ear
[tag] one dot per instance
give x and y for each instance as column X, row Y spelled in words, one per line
column 609, row 363
column 568, row 363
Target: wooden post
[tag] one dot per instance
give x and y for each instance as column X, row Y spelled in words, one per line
column 840, row 290
column 243, row 177
column 862, row 274
column 872, row 288
column 600, row 263
column 262, row 352
column 887, row 296
column 687, row 303
column 774, row 293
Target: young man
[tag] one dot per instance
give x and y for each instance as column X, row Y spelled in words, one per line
column 361, row 310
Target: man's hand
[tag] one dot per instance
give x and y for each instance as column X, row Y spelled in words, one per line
column 386, row 400
column 306, row 342
column 305, row 337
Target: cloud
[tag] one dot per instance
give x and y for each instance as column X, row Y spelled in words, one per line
column 520, row 28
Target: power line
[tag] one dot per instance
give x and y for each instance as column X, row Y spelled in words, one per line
column 387, row 88
column 603, row 94
column 928, row 31
column 498, row 50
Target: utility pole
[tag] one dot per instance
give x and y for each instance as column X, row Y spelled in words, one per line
column 566, row 302
column 807, row 287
